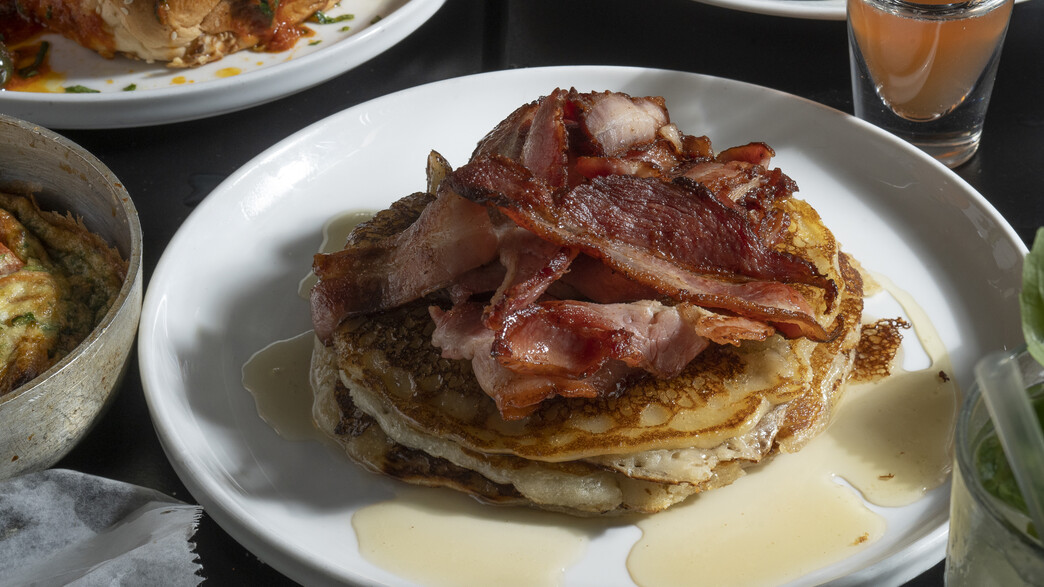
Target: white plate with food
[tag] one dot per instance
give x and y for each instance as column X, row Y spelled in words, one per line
column 123, row 92
column 227, row 287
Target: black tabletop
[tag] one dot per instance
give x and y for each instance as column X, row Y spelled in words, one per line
column 169, row 169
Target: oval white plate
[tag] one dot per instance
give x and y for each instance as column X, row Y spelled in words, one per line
column 247, row 78
column 227, row 286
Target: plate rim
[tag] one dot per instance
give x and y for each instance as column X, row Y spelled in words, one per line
column 931, row 547
column 808, row 9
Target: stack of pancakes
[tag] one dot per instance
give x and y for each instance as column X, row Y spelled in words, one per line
column 385, row 393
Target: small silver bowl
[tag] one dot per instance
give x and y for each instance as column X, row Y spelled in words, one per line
column 43, row 420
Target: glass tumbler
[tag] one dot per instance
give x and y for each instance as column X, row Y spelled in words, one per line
column 989, row 543
column 924, row 70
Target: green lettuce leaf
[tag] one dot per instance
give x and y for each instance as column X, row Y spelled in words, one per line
column 1031, row 300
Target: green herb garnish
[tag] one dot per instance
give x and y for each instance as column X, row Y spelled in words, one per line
column 78, row 89
column 130, row 88
column 995, row 473
column 27, row 319
column 321, row 18
column 991, row 464
column 268, row 7
column 1031, row 300
column 33, row 69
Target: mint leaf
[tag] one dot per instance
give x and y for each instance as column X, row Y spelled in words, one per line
column 1031, row 300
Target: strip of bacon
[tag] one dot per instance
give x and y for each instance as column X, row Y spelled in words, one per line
column 564, row 347
column 739, row 184
column 575, row 339
column 544, row 152
column 461, row 334
column 617, row 122
column 483, row 279
column 508, row 137
column 590, row 279
column 531, row 265
column 652, row 159
column 753, row 153
column 519, row 395
column 451, row 236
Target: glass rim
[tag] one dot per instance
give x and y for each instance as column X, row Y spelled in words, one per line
column 960, row 8
column 966, row 461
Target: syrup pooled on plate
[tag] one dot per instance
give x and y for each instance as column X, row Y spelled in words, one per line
column 277, row 375
column 890, row 441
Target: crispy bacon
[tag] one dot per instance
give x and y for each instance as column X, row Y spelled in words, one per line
column 611, row 246
column 753, row 153
column 451, row 236
column 615, row 122
column 544, row 152
column 484, row 279
column 531, row 265
column 461, row 334
column 668, row 236
column 567, row 345
column 508, row 137
column 590, row 279
column 651, row 160
column 575, row 339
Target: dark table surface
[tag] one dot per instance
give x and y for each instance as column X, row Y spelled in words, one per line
column 169, row 169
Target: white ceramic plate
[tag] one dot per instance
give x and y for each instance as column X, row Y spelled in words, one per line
column 247, row 78
column 227, row 286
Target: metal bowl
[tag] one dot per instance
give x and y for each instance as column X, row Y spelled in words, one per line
column 43, row 420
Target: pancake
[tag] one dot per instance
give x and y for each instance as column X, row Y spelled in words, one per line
column 381, row 443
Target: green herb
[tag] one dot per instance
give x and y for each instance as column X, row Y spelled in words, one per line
column 321, row 18
column 1031, row 300
column 994, row 472
column 27, row 319
column 990, row 462
column 344, row 29
column 268, row 7
column 314, row 43
column 33, row 68
column 130, row 88
column 376, row 19
column 80, row 90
